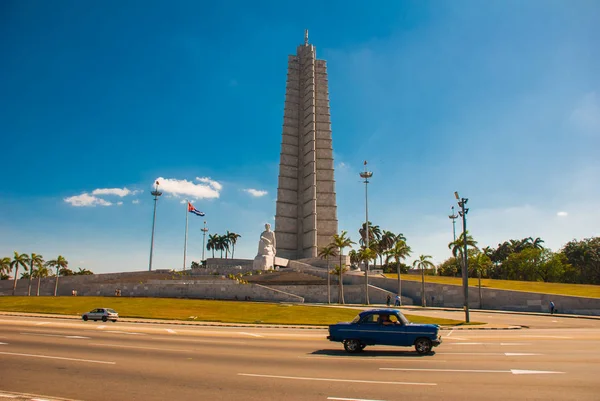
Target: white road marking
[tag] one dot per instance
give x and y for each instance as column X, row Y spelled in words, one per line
column 125, row 332
column 39, row 399
column 101, row 327
column 515, row 343
column 250, row 334
column 8, row 396
column 350, row 399
column 470, row 353
column 449, row 334
column 137, row 347
column 3, row 343
column 372, row 358
column 519, row 354
column 57, row 357
column 528, row 336
column 334, row 380
column 52, row 335
column 513, row 371
column 468, row 343
column 458, row 338
column 171, row 331
column 42, row 323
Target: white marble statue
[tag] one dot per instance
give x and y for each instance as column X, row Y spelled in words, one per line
column 267, row 244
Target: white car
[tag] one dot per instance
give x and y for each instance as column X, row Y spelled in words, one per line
column 104, row 314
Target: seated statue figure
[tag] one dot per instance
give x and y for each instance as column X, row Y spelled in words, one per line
column 267, row 244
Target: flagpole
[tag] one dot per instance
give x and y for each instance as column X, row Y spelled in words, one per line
column 186, row 231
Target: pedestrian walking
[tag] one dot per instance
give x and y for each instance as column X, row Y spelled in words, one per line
column 552, row 308
column 388, row 300
column 397, row 302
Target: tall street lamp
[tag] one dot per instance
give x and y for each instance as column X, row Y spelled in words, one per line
column 453, row 217
column 156, row 193
column 204, row 231
column 366, row 175
column 465, row 272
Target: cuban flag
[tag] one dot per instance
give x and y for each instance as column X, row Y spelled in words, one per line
column 192, row 209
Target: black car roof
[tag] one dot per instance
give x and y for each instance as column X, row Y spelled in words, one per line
column 382, row 310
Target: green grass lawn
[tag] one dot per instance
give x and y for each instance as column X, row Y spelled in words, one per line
column 577, row 290
column 195, row 309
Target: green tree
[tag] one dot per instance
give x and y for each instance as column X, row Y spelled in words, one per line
column 42, row 271
column 374, row 233
column 83, row 272
column 35, row 261
column 19, row 260
column 4, row 268
column 341, row 241
column 584, row 256
column 399, row 251
column 353, row 257
column 326, row 253
column 232, row 238
column 457, row 246
column 364, row 255
column 423, row 263
column 59, row 263
column 211, row 244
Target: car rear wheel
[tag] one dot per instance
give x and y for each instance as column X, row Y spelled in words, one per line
column 104, row 319
column 114, row 320
column 353, row 346
column 423, row 346
column 85, row 318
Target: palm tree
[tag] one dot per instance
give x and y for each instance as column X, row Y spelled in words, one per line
column 537, row 243
column 388, row 239
column 457, row 247
column 399, row 251
column 37, row 261
column 211, row 244
column 4, row 267
column 423, row 263
column 339, row 272
column 353, row 257
column 223, row 245
column 326, row 253
column 340, row 241
column 41, row 271
column 83, row 272
column 366, row 254
column 18, row 260
column 60, row 262
column 374, row 233
column 233, row 237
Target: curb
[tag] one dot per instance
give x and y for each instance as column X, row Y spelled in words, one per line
column 238, row 325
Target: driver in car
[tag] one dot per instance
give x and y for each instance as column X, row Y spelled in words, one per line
column 385, row 320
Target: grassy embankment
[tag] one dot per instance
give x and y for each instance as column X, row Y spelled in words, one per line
column 576, row 290
column 195, row 310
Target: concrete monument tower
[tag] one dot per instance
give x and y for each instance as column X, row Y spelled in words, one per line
column 306, row 212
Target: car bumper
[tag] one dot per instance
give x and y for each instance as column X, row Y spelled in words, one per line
column 436, row 342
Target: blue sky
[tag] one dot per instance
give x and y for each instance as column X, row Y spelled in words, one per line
column 498, row 100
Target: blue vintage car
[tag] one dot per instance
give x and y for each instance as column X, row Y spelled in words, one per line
column 384, row 327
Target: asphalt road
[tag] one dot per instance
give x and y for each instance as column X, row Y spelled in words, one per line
column 70, row 359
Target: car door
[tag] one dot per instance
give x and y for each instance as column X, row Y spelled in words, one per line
column 369, row 330
column 397, row 333
column 96, row 314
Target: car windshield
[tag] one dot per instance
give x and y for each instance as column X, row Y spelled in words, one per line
column 111, row 310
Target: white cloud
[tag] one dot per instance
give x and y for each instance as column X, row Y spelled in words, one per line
column 256, row 192
column 586, row 116
column 86, row 199
column 119, row 203
column 207, row 189
column 135, row 201
column 211, row 183
column 562, row 214
column 114, row 191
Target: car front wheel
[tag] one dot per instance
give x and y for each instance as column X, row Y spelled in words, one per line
column 423, row 346
column 85, row 318
column 104, row 319
column 353, row 346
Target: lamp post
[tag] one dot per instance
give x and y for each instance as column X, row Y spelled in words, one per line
column 156, row 193
column 465, row 272
column 366, row 175
column 204, row 231
column 453, row 217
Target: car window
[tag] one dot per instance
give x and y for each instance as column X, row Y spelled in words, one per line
column 371, row 319
column 111, row 310
column 356, row 319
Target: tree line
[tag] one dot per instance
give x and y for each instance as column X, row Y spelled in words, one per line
column 526, row 259
column 33, row 267
column 224, row 243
